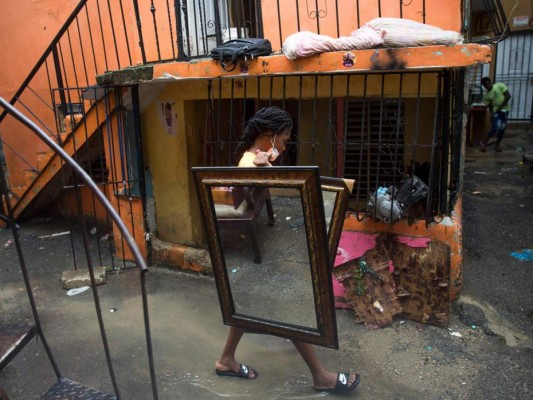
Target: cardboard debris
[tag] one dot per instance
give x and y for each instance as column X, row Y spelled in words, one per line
column 416, row 286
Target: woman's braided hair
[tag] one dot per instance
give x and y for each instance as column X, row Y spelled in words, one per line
column 268, row 121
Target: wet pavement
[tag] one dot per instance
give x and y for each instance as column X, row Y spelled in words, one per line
column 485, row 353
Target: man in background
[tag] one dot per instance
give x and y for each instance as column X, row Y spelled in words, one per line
column 497, row 99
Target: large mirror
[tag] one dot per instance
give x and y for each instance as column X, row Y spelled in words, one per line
column 335, row 197
column 272, row 235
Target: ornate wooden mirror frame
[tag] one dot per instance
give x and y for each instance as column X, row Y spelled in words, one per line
column 321, row 244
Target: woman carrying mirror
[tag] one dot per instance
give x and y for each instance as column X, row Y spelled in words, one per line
column 264, row 138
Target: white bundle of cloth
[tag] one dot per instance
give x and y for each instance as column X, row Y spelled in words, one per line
column 305, row 44
column 401, row 32
column 388, row 32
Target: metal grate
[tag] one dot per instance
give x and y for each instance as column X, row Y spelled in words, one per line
column 376, row 128
column 374, row 135
column 65, row 389
column 514, row 68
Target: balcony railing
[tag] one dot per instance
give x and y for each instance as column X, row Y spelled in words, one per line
column 193, row 27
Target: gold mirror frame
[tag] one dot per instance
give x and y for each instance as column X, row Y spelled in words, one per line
column 337, row 186
column 321, row 246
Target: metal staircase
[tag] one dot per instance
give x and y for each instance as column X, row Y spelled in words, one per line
column 80, row 144
column 13, row 337
column 60, row 95
column 83, row 143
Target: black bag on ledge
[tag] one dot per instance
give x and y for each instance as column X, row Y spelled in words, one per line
column 228, row 52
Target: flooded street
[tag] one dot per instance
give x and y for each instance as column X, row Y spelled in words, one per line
column 485, row 353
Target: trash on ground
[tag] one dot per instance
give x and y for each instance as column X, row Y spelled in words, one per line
column 296, row 223
column 93, row 231
column 481, row 173
column 8, row 244
column 55, row 234
column 75, row 291
column 234, row 270
column 378, row 305
column 524, row 255
column 476, row 192
column 456, row 334
column 113, row 310
column 287, row 218
column 105, row 237
column 429, row 348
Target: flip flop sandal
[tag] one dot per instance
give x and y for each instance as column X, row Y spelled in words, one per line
column 244, row 372
column 342, row 386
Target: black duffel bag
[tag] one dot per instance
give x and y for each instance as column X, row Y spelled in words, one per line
column 228, row 52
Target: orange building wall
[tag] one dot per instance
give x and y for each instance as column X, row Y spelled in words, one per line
column 27, row 28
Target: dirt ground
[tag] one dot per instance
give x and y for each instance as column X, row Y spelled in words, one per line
column 485, row 353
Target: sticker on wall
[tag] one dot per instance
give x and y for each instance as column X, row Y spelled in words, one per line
column 169, row 117
column 243, row 66
column 348, row 59
column 521, row 20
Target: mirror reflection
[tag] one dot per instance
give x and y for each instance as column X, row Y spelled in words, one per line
column 264, row 244
column 271, row 254
column 329, row 198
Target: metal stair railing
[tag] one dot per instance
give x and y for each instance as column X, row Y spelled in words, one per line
column 64, row 385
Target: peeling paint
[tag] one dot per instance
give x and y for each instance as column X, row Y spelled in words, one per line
column 466, row 51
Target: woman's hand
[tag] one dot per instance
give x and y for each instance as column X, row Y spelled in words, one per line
column 262, row 158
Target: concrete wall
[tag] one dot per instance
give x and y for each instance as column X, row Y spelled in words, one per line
column 519, row 13
column 166, row 146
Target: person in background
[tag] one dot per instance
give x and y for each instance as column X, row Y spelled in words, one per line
column 497, row 99
column 265, row 137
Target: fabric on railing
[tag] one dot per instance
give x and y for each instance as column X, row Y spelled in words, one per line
column 305, row 44
column 387, row 32
column 402, row 32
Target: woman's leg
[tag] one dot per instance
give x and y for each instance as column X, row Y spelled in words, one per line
column 322, row 378
column 227, row 361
